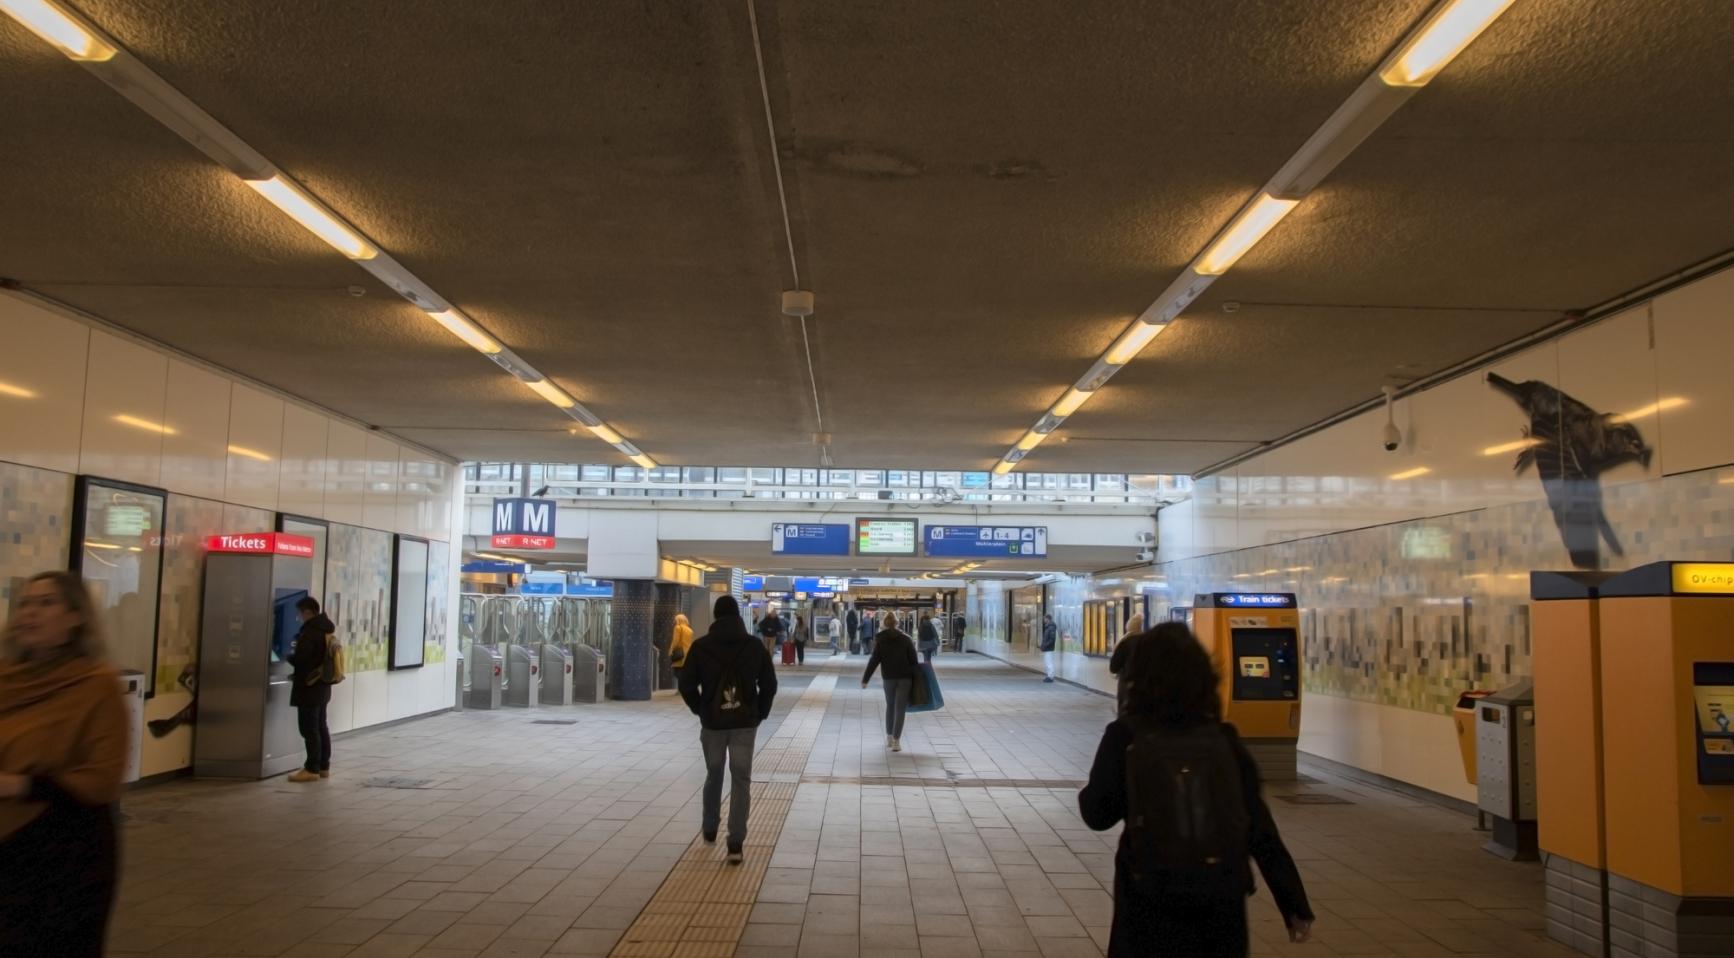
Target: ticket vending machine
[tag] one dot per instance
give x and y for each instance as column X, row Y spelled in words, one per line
column 1667, row 648
column 1254, row 639
column 245, row 727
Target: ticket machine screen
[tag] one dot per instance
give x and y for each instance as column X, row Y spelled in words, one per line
column 1264, row 665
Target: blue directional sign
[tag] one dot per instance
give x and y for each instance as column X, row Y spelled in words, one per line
column 752, row 583
column 590, row 590
column 496, row 567
column 987, row 542
column 803, row 539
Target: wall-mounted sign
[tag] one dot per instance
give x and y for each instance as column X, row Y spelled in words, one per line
column 1246, row 600
column 752, row 583
column 1709, row 578
column 988, row 542
column 495, row 567
column 590, row 590
column 524, row 524
column 261, row 544
column 886, row 537
column 804, row 539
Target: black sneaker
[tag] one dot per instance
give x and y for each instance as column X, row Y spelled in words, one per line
column 735, row 856
column 710, row 838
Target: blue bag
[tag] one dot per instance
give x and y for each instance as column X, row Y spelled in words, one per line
column 935, row 700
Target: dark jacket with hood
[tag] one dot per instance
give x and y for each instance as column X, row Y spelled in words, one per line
column 308, row 658
column 893, row 650
column 727, row 646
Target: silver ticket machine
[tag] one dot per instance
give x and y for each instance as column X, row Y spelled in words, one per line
column 556, row 675
column 246, row 728
column 487, row 675
column 523, row 677
column 589, row 675
column 1505, row 769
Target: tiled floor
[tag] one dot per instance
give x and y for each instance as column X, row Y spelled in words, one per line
column 524, row 839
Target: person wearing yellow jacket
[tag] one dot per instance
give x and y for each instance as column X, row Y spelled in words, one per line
column 677, row 648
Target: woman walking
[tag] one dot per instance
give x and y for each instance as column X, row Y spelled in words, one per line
column 896, row 653
column 928, row 637
column 1121, row 663
column 802, row 635
column 680, row 642
column 63, row 744
column 1190, row 796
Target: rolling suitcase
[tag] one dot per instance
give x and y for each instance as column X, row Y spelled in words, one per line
column 788, row 653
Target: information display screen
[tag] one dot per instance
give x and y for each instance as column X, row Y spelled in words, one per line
column 887, row 537
column 1265, row 665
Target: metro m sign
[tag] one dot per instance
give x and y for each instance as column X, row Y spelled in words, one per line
column 523, row 524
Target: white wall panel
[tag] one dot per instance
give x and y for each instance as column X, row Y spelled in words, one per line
column 371, row 697
column 1405, row 744
column 414, row 493
column 41, row 385
column 379, row 504
column 340, row 714
column 195, row 454
column 1694, row 343
column 345, row 473
column 131, row 381
column 301, row 479
column 255, row 445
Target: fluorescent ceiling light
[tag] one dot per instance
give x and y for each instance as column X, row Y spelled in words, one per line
column 249, row 453
column 1133, row 341
column 1506, row 447
column 145, row 424
column 49, row 22
column 1071, row 402
column 607, row 434
column 1002, row 467
column 1446, row 33
column 644, row 462
column 460, row 326
column 17, row 392
column 1671, row 402
column 1245, row 232
column 551, row 392
column 1411, row 473
column 303, row 209
column 1031, row 440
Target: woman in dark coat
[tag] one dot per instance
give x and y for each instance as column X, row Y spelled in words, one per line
column 1173, row 694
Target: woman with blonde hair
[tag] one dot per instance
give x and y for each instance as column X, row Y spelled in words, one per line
column 63, row 745
column 1121, row 664
column 681, row 642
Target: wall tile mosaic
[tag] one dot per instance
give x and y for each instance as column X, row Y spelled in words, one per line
column 358, row 583
column 1411, row 614
column 34, row 530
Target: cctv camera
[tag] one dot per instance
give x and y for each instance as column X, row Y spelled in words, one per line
column 1393, row 437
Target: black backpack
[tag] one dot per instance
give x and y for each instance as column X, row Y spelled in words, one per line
column 1186, row 817
column 736, row 703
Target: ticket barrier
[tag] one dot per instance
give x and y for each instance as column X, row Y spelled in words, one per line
column 1505, row 769
column 556, row 675
column 523, row 677
column 487, row 674
column 589, row 675
column 1254, row 641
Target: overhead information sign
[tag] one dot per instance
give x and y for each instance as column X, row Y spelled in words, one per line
column 752, row 583
column 988, row 542
column 804, row 539
column 886, row 537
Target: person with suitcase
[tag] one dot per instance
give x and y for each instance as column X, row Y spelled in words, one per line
column 1189, row 793
column 728, row 682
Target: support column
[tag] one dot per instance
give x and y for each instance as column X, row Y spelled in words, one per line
column 630, row 647
column 667, row 605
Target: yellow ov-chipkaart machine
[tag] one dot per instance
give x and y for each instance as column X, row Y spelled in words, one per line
column 1254, row 639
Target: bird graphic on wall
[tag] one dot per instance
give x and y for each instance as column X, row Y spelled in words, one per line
column 1571, row 445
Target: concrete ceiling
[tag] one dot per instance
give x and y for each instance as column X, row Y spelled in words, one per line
column 981, row 198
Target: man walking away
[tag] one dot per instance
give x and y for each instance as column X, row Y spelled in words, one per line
column 958, row 626
column 1050, row 642
column 771, row 630
column 853, row 622
column 928, row 639
column 310, row 688
column 869, row 626
column 896, row 652
column 729, row 683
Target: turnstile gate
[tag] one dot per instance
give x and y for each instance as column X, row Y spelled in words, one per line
column 523, row 677
column 556, row 675
column 589, row 675
column 486, row 677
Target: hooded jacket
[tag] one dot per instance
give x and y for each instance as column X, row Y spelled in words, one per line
column 63, row 723
column 728, row 645
column 309, row 657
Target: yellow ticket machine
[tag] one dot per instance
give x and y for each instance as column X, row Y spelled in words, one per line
column 1667, row 652
column 1254, row 639
column 1565, row 632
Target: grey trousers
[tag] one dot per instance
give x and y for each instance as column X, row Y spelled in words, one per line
column 896, row 705
column 735, row 745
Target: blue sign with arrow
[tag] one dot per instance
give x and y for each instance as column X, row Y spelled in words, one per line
column 987, row 542
column 803, row 539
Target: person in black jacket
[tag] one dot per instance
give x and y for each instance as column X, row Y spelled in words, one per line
column 771, row 630
column 927, row 636
column 1050, row 645
column 309, row 690
column 1174, row 692
column 729, row 683
column 894, row 650
column 852, row 622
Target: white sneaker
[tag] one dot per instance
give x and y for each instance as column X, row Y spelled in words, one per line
column 896, row 746
column 889, row 741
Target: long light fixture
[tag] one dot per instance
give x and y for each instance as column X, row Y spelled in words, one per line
column 1451, row 28
column 16, row 392
column 80, row 40
column 1420, row 56
column 1031, row 440
column 606, row 433
column 147, row 425
column 49, row 22
column 460, row 326
column 313, row 215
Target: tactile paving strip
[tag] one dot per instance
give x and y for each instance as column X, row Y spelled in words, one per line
column 702, row 907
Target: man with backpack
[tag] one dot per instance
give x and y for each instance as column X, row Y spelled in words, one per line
column 729, row 683
column 317, row 666
column 1189, row 793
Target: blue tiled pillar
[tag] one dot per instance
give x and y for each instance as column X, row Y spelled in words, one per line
column 630, row 652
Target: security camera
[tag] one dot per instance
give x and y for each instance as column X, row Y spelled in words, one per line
column 1146, row 555
column 1391, row 437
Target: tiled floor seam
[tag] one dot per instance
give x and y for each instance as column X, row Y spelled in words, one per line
column 701, row 909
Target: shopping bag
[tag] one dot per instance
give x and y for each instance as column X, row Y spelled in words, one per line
column 924, row 692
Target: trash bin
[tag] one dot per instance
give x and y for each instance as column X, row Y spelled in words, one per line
column 1505, row 760
column 132, row 689
column 589, row 675
column 1464, row 717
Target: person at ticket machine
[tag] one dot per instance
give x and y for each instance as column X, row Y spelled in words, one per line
column 317, row 667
